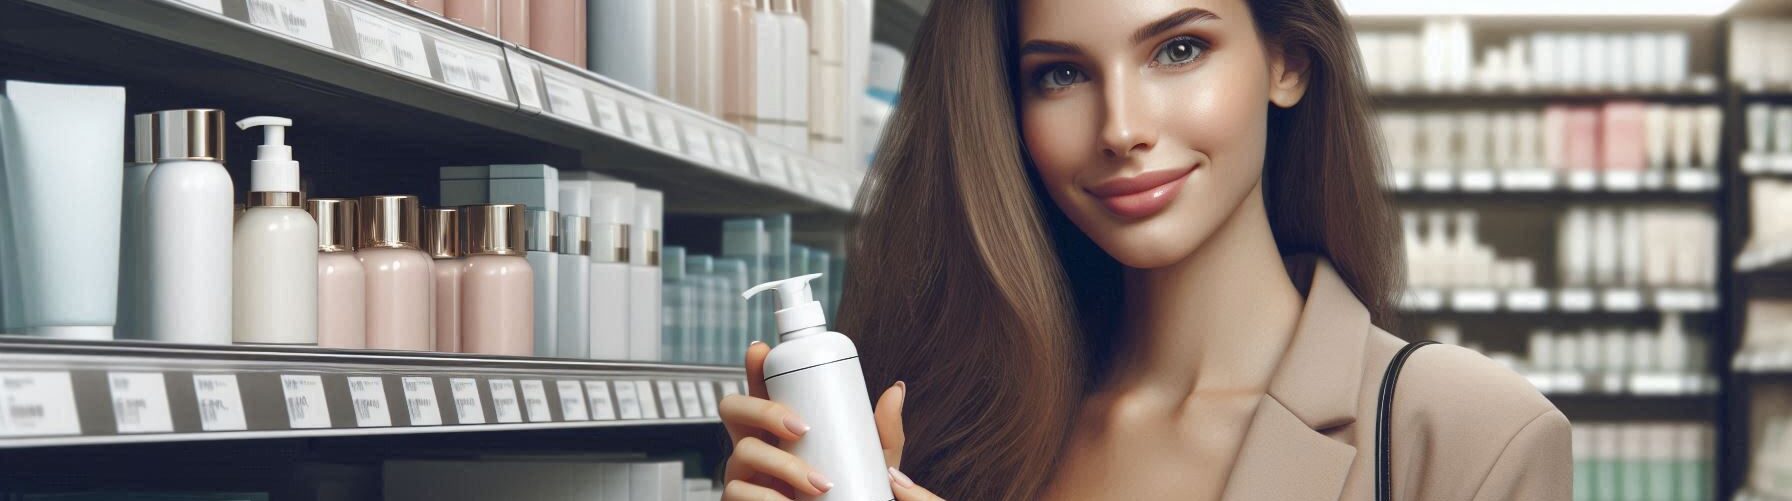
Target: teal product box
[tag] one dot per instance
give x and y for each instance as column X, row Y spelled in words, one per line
column 746, row 240
column 536, row 186
column 799, row 262
column 672, row 303
column 735, row 317
column 836, row 286
column 777, row 228
column 465, row 185
column 697, row 272
column 823, row 287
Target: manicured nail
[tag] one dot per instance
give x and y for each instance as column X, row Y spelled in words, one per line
column 755, row 342
column 821, row 483
column 901, row 394
column 901, row 479
column 795, row 425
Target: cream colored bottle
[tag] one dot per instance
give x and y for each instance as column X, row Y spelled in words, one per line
column 514, row 22
column 557, row 28
column 739, row 42
column 341, row 285
column 481, row 15
column 399, row 275
column 497, row 309
column 441, row 240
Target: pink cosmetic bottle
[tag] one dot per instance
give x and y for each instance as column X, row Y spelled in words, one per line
column 398, row 274
column 497, row 309
column 341, row 285
column 441, row 240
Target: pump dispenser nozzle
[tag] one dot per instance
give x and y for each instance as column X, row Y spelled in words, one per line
column 797, row 308
column 273, row 169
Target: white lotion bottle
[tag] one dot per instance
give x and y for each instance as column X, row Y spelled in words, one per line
column 274, row 292
column 815, row 372
column 191, row 213
column 574, row 293
column 133, row 257
column 542, row 242
column 768, row 73
column 644, row 278
column 795, row 38
column 612, row 213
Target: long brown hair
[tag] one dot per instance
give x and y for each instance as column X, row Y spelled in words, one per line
column 960, row 270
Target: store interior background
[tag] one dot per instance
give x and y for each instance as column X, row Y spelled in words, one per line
column 1595, row 193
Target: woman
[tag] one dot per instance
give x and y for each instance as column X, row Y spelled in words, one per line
column 1136, row 249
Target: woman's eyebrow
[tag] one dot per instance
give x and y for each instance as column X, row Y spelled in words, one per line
column 1171, row 22
column 1049, row 47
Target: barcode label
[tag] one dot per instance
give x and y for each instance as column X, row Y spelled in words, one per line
column 771, row 166
column 667, row 131
column 639, row 129
column 644, row 393
column 566, row 100
column 220, row 402
column 522, row 70
column 369, row 396
column 390, row 44
column 628, row 402
column 471, row 71
column 467, row 408
column 140, row 402
column 697, row 144
column 37, row 403
column 572, row 401
column 687, row 396
column 668, row 400
column 504, row 401
column 609, row 114
column 302, row 19
column 305, row 406
column 707, row 390
column 599, row 394
column 535, row 400
column 420, row 400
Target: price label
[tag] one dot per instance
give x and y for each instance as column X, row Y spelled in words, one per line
column 1527, row 300
column 1623, row 300
column 639, row 129
column 572, row 401
column 301, row 19
column 467, row 408
column 667, row 131
column 1694, row 180
column 140, row 402
column 1576, row 300
column 799, row 176
column 599, row 394
column 1623, row 180
column 739, row 150
column 1422, row 299
column 523, row 71
column 471, row 71
column 1437, row 180
column 668, row 400
column 1582, row 180
column 649, row 409
column 1679, row 299
column 1528, row 180
column 305, row 406
column 390, row 44
column 504, row 401
column 1400, row 180
column 724, row 151
column 567, row 101
column 1475, row 300
column 214, row 6
column 697, row 145
column 420, row 400
column 220, row 402
column 628, row 401
column 687, row 397
column 37, row 403
column 609, row 114
column 1478, row 180
column 771, row 166
column 369, row 397
column 707, row 390
column 535, row 400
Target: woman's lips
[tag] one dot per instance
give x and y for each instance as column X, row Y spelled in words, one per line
column 1140, row 196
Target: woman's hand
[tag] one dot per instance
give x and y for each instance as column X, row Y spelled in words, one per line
column 760, row 471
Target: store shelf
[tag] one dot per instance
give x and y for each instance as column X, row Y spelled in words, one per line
column 1551, row 181
column 407, row 57
column 1765, row 91
column 1765, row 255
column 1692, row 91
column 1763, row 361
column 1758, row 163
column 1608, row 300
column 71, row 392
column 1639, row 384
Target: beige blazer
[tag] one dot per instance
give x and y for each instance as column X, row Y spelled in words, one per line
column 1463, row 427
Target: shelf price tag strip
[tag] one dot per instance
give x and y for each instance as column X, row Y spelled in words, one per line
column 220, row 402
column 305, row 405
column 504, row 402
column 368, row 395
column 468, row 409
column 668, row 394
column 598, row 393
column 420, row 401
column 140, row 402
column 37, row 404
column 535, row 400
column 572, row 401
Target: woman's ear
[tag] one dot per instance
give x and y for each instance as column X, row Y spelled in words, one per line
column 1288, row 74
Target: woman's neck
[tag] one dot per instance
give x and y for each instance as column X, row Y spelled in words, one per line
column 1217, row 321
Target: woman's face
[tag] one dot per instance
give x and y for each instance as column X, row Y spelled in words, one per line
column 1146, row 119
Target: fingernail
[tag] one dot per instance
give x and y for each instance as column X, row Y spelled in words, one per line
column 820, row 482
column 901, row 394
column 900, row 479
column 755, row 342
column 795, row 425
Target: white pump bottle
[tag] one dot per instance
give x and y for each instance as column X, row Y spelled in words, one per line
column 275, row 283
column 815, row 372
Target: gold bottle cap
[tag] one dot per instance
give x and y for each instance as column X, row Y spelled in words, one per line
column 335, row 223
column 190, row 135
column 276, row 199
column 496, row 229
column 143, row 138
column 388, row 221
column 609, row 242
column 543, row 231
column 575, row 235
column 441, row 233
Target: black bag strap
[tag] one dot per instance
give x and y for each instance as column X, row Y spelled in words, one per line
column 1383, row 407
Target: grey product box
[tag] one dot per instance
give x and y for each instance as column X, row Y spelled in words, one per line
column 777, row 228
column 745, row 239
column 701, row 345
column 465, row 185
column 536, row 186
column 799, row 262
column 736, row 317
column 823, row 286
column 672, row 303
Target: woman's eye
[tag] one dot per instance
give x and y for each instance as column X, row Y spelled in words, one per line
column 1060, row 77
column 1178, row 51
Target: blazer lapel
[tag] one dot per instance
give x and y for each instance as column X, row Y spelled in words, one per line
column 1286, row 453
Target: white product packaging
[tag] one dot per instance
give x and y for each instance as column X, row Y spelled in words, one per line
column 274, row 292
column 542, row 240
column 622, row 36
column 191, row 215
column 573, row 326
column 133, row 249
column 644, row 277
column 612, row 214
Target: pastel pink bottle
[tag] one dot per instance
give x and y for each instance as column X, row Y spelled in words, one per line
column 341, row 285
column 497, row 308
column 399, row 275
column 441, row 240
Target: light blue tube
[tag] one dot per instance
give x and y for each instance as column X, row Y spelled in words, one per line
column 12, row 306
column 65, row 184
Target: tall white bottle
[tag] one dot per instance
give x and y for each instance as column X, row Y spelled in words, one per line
column 815, row 372
column 190, row 228
column 573, row 327
column 768, row 72
column 644, row 278
column 274, row 294
column 133, row 256
column 612, row 217
column 796, row 69
column 542, row 241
